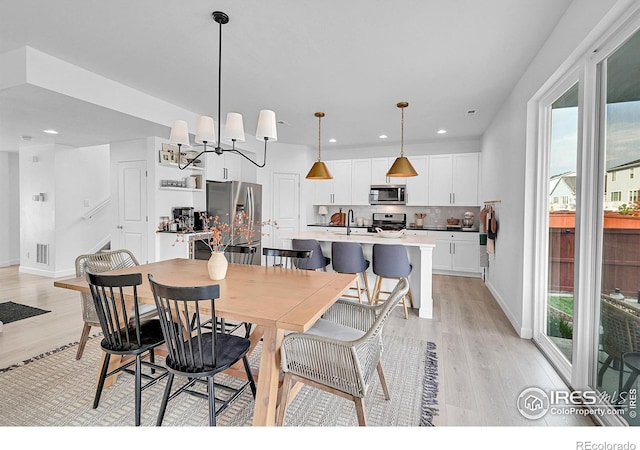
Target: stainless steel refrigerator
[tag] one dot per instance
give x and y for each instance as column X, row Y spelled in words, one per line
column 228, row 198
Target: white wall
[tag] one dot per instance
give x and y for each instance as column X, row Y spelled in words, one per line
column 504, row 160
column 79, row 192
column 57, row 221
column 37, row 218
column 10, row 203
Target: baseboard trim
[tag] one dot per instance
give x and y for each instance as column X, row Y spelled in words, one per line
column 524, row 333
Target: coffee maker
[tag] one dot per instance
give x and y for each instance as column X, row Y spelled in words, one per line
column 183, row 217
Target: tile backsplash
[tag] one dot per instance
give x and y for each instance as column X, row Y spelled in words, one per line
column 436, row 216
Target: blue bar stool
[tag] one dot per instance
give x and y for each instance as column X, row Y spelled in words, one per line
column 390, row 261
column 317, row 260
column 349, row 258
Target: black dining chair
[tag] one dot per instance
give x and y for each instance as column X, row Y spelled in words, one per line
column 240, row 254
column 196, row 352
column 237, row 254
column 286, row 258
column 317, row 259
column 125, row 333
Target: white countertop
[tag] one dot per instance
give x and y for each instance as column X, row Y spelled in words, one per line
column 364, row 238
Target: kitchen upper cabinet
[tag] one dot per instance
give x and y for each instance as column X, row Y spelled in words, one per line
column 360, row 181
column 418, row 186
column 379, row 169
column 336, row 191
column 225, row 167
column 453, row 179
column 248, row 170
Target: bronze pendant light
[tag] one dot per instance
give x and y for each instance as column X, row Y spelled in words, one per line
column 319, row 170
column 402, row 167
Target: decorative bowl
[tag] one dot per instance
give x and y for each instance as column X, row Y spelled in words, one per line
column 394, row 234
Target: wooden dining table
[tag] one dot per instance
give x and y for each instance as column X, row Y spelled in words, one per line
column 274, row 299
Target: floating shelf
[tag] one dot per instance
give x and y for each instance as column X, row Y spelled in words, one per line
column 175, row 166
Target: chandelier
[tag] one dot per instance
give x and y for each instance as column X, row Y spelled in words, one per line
column 234, row 128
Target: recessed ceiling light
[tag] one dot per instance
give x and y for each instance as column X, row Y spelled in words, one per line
column 50, row 131
column 383, row 136
column 442, row 131
column 332, row 140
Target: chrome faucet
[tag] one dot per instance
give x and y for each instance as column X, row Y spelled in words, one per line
column 349, row 219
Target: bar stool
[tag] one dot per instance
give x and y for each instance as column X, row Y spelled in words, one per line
column 349, row 258
column 317, row 260
column 390, row 261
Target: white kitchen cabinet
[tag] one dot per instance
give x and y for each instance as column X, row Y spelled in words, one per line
column 248, row 170
column 336, row 191
column 418, row 186
column 453, row 179
column 379, row 169
column 360, row 181
column 225, row 167
column 457, row 252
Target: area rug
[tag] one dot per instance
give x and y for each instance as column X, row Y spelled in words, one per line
column 12, row 312
column 56, row 390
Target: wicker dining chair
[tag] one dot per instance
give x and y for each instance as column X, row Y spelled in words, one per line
column 340, row 353
column 620, row 335
column 97, row 263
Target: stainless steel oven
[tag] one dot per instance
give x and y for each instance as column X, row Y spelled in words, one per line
column 388, row 195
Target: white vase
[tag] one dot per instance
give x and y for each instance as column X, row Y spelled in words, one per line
column 217, row 266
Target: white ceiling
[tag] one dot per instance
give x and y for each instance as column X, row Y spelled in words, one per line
column 353, row 60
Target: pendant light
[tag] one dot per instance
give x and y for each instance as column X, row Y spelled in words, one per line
column 402, row 167
column 319, row 170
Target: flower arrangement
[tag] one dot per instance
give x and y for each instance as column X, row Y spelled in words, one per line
column 218, row 234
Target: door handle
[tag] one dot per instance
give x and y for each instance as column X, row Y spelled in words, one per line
column 120, row 227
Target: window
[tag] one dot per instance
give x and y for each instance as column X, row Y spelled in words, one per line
column 616, row 196
column 633, row 196
column 613, row 176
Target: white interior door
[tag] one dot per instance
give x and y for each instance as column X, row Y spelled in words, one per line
column 286, row 206
column 131, row 226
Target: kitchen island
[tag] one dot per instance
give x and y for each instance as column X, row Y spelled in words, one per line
column 419, row 248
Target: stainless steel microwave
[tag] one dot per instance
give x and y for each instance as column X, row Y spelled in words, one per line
column 386, row 194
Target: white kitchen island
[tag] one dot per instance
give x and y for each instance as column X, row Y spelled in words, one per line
column 419, row 249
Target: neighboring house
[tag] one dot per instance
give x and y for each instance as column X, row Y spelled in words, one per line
column 562, row 192
column 622, row 186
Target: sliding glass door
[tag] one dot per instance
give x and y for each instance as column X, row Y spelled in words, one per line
column 618, row 352
column 586, row 285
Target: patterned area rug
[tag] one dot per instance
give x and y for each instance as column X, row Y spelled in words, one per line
column 56, row 390
column 12, row 312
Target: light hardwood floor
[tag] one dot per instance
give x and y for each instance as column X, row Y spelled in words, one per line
column 483, row 365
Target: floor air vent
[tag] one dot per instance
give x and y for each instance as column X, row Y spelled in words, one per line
column 42, row 254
